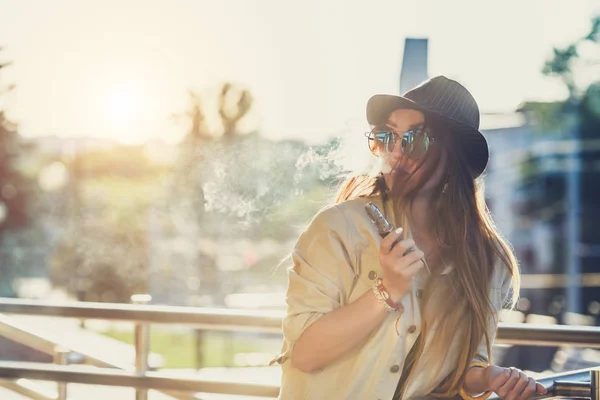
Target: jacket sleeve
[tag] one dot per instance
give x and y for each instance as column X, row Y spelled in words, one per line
column 321, row 275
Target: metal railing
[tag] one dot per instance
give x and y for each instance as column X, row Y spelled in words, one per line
column 62, row 352
column 212, row 319
column 587, row 388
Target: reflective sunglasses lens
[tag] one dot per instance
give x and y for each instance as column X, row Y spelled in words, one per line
column 388, row 141
column 381, row 142
column 373, row 143
column 415, row 144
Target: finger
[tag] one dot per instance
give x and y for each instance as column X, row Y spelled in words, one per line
column 500, row 379
column 505, row 390
column 540, row 389
column 529, row 389
column 386, row 243
column 520, row 386
column 407, row 260
column 413, row 268
column 402, row 246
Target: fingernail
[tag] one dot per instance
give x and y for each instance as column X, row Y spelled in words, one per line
column 399, row 230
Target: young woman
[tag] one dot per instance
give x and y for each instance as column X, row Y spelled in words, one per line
column 412, row 315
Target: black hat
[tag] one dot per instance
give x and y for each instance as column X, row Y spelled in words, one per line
column 447, row 100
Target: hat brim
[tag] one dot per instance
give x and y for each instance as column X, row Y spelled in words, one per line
column 475, row 146
column 380, row 106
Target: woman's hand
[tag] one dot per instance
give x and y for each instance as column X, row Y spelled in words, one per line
column 399, row 269
column 507, row 383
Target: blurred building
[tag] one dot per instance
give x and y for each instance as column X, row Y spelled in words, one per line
column 414, row 63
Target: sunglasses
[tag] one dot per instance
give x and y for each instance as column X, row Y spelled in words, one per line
column 414, row 143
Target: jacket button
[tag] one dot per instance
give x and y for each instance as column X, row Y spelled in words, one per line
column 412, row 329
column 395, row 369
column 419, row 293
column 372, row 275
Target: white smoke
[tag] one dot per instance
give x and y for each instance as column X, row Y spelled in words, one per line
column 348, row 156
column 248, row 178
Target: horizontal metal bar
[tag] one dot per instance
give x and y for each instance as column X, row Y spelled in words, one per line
column 270, row 321
column 571, row 390
column 207, row 318
column 578, row 385
column 548, row 335
column 580, row 375
column 550, row 281
column 111, row 377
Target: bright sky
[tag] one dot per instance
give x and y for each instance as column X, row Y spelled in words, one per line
column 120, row 69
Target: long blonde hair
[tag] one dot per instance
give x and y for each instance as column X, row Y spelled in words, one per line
column 468, row 238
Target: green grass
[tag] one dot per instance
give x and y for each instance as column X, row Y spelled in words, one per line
column 179, row 348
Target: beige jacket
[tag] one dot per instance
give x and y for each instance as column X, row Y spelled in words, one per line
column 335, row 261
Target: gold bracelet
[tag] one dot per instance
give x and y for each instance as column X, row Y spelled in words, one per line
column 482, row 396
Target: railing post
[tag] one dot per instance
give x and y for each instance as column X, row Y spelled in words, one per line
column 595, row 384
column 61, row 357
column 199, row 336
column 142, row 345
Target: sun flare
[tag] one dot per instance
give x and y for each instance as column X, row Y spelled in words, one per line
column 122, row 105
column 123, row 113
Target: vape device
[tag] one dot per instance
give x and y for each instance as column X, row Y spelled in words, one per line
column 383, row 225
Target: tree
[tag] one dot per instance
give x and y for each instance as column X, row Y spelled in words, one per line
column 103, row 255
column 234, row 104
column 16, row 234
column 13, row 198
column 567, row 62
